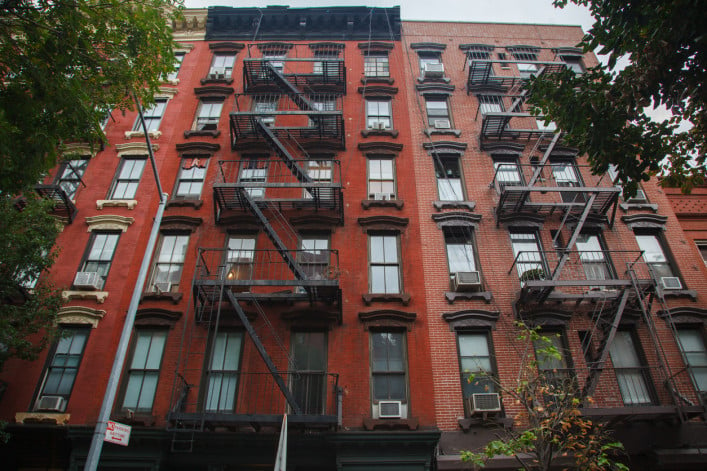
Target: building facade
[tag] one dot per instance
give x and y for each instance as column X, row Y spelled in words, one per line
column 359, row 211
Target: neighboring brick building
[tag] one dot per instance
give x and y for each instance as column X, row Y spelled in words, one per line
column 353, row 202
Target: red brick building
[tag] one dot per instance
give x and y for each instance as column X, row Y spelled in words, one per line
column 353, row 203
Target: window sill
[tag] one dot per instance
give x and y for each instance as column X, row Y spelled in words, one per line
column 454, row 132
column 386, row 298
column 625, row 207
column 53, row 418
column 680, row 293
column 151, row 296
column 366, row 204
column 206, row 81
column 174, row 82
column 132, row 134
column 440, row 205
column 455, row 295
column 203, row 133
column 98, row 296
column 370, row 80
column 379, row 132
column 130, row 204
column 185, row 202
column 370, row 423
column 433, row 80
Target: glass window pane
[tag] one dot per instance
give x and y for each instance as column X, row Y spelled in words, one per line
column 147, row 395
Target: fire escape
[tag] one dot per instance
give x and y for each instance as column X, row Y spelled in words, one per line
column 578, row 273
column 291, row 104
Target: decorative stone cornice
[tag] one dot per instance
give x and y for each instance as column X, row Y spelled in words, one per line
column 379, row 147
column 134, row 148
column 180, row 223
column 80, row 149
column 456, row 218
column 98, row 296
column 645, row 220
column 42, row 418
column 206, row 147
column 192, row 25
column 166, row 92
column 383, row 223
column 376, row 46
column 471, row 318
column 79, row 315
column 130, row 204
column 387, row 318
column 685, row 315
column 157, row 317
column 108, row 222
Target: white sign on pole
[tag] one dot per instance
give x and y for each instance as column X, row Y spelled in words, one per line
column 117, row 433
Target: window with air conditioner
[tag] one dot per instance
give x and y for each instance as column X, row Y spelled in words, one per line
column 207, row 115
column 168, row 263
column 449, row 177
column 143, row 372
column 127, row 178
column 656, row 257
column 97, row 260
column 463, row 272
column 381, row 178
column 476, row 367
column 61, row 370
column 430, row 64
column 379, row 114
column 389, row 384
column 222, row 66
column 438, row 116
column 264, row 105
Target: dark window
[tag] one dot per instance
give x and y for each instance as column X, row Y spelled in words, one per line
column 144, row 370
column 190, row 180
column 309, row 378
column 99, row 255
column 376, row 65
column 692, row 344
column 384, row 263
column 153, row 116
column 388, row 366
column 168, row 263
column 128, row 178
column 223, row 372
column 60, row 374
column 449, row 178
column 702, row 247
column 70, row 175
column 574, row 63
column 631, row 371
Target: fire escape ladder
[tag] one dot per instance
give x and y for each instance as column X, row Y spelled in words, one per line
column 263, row 353
column 285, row 155
column 295, row 95
column 538, row 170
column 597, row 366
column 518, row 102
column 272, row 235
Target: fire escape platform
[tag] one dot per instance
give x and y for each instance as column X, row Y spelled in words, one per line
column 616, row 415
column 304, row 73
column 63, row 206
column 320, row 127
column 501, row 126
column 555, row 199
column 481, row 73
column 215, row 419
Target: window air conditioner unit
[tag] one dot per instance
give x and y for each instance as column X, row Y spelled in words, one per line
column 485, row 402
column 383, row 196
column 217, row 74
column 442, row 124
column 466, row 280
column 670, row 282
column 90, row 280
column 434, row 70
column 268, row 120
column 51, row 404
column 389, row 409
column 162, row 287
column 640, row 197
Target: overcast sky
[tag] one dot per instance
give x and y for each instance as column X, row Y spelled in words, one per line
column 500, row 11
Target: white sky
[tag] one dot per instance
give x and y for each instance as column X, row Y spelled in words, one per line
column 498, row 11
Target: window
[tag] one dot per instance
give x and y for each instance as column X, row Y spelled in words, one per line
column 127, row 178
column 144, row 370
column 507, row 172
column 168, row 263
column 388, row 367
column 275, row 60
column 702, row 247
column 70, row 175
column 593, row 257
column 314, row 257
column 320, row 171
column 550, row 126
column 692, row 344
column 384, row 264
column 490, row 104
column 324, row 105
column 555, row 369
column 254, row 170
column 379, row 114
column 63, row 367
column 375, row 64
column 309, row 378
column 525, row 70
column 449, row 178
column 631, row 373
column 566, row 174
column 178, row 59
column 207, row 115
column 152, row 115
column 438, row 115
column 381, row 178
column 431, row 58
column 528, row 255
column 654, row 256
column 574, row 63
column 222, row 65
column 475, row 359
column 478, row 54
column 460, row 249
column 223, row 371
column 190, row 179
column 240, row 255
column 264, row 105
column 327, row 65
column 99, row 255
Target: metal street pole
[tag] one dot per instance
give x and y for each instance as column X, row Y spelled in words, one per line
column 94, row 453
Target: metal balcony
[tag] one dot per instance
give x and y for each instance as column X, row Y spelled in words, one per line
column 285, row 116
column 254, row 400
column 63, row 206
column 273, row 182
column 583, row 276
column 264, row 275
column 305, row 66
column 559, row 188
column 502, row 75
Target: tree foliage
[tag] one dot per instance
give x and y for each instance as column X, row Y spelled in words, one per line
column 603, row 111
column 65, row 64
column 551, row 426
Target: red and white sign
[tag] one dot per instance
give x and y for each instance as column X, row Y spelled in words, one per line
column 117, row 433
